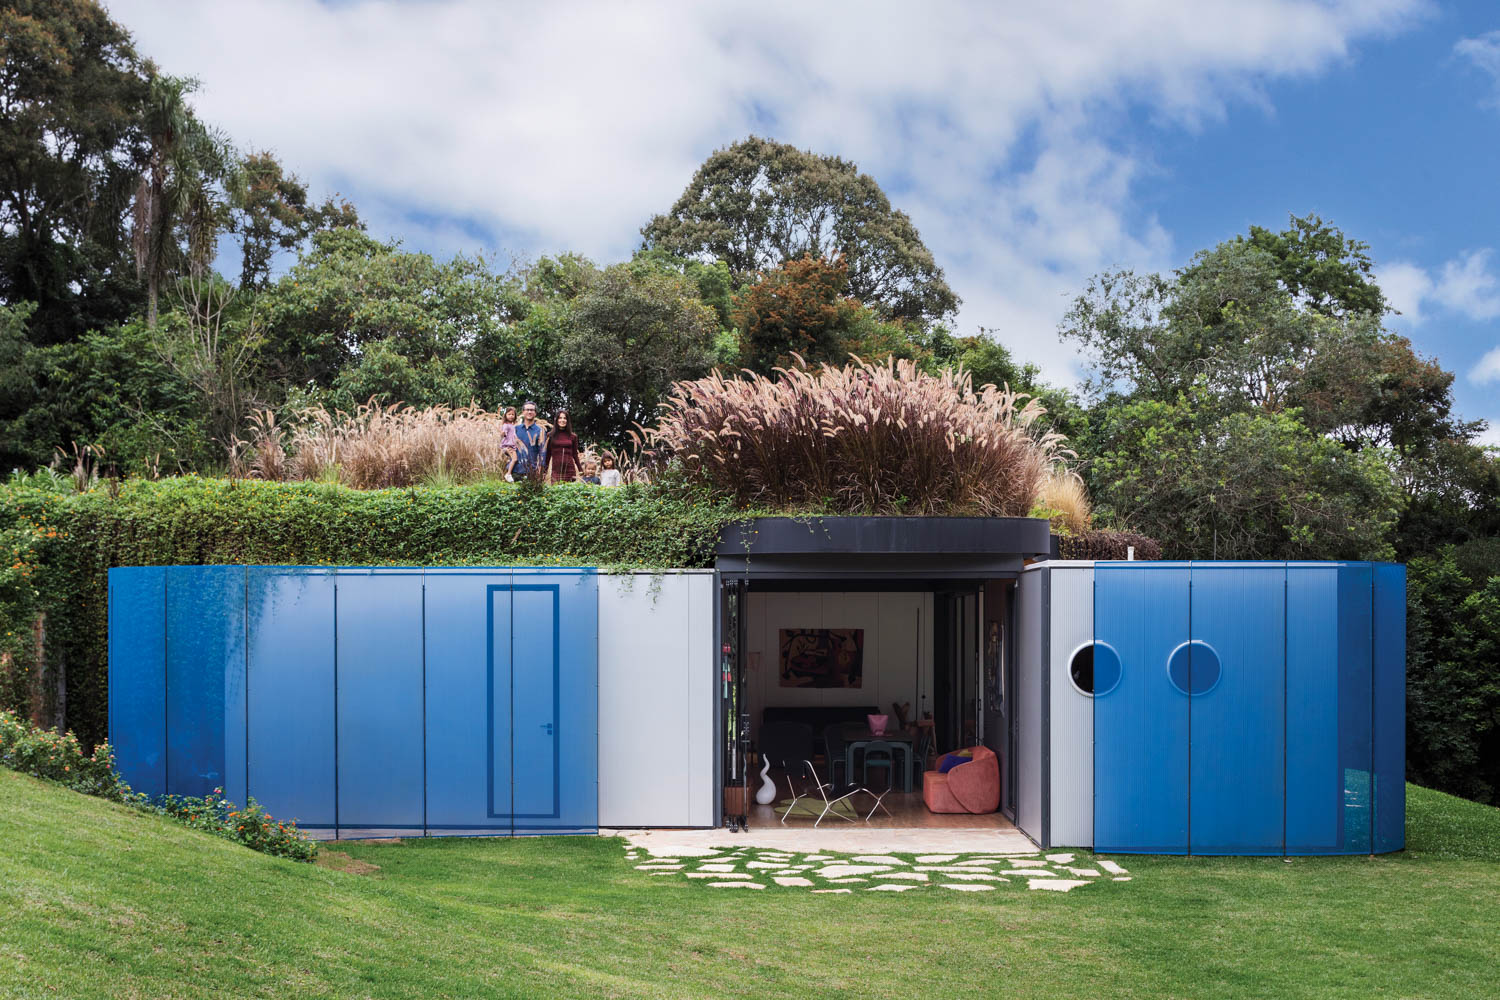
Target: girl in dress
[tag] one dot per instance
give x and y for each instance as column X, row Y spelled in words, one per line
column 509, row 446
column 562, row 450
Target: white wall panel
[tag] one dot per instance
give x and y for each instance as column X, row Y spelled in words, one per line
column 656, row 699
column 1072, row 729
column 1031, row 636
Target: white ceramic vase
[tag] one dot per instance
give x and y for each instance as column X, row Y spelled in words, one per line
column 767, row 791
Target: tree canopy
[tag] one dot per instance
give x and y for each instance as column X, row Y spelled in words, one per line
column 758, row 205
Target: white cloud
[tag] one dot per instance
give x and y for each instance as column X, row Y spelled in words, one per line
column 1465, row 286
column 1487, row 369
column 1484, row 52
column 552, row 126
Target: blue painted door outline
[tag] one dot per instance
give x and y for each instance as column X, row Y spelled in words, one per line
column 525, row 670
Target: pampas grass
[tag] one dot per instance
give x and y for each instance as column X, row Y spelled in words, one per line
column 863, row 438
column 1066, row 501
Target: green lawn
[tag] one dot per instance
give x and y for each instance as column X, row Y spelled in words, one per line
column 98, row 901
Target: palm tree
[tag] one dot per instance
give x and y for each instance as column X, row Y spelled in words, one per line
column 184, row 196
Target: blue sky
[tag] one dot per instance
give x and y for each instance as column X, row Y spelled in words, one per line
column 1033, row 145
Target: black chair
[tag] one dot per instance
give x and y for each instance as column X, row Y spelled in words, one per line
column 834, row 747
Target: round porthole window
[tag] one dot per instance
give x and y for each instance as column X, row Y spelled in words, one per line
column 1193, row 667
column 1094, row 668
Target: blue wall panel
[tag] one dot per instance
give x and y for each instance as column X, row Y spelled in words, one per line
column 289, row 682
column 1236, row 738
column 205, row 633
column 555, row 694
column 468, row 622
column 1389, row 701
column 379, row 686
column 1327, row 735
column 1141, row 727
column 138, row 675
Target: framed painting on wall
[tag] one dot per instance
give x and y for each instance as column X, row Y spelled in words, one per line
column 822, row 657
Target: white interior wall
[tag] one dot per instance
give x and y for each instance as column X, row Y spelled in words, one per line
column 656, row 699
column 897, row 653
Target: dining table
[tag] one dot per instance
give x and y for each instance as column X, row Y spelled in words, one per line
column 858, row 736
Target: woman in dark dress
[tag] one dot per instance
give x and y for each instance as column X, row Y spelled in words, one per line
column 562, row 450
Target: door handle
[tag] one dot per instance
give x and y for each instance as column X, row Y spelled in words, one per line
column 547, row 726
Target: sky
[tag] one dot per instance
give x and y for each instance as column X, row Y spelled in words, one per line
column 1033, row 144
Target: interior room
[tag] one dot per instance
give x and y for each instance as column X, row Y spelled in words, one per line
column 930, row 656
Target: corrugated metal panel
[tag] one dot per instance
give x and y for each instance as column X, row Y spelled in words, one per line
column 656, row 676
column 291, row 738
column 138, row 675
column 467, row 644
column 1141, row 727
column 380, row 693
column 1072, row 729
column 1031, row 638
column 1389, row 706
column 1236, row 680
column 206, row 631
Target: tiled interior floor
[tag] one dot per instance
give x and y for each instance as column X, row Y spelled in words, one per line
column 907, row 812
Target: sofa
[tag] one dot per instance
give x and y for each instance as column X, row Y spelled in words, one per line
column 968, row 788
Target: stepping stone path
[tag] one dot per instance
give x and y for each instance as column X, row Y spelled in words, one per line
column 833, row 873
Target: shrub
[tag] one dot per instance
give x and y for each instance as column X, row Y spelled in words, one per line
column 46, row 753
column 861, row 438
column 1108, row 545
column 251, row 826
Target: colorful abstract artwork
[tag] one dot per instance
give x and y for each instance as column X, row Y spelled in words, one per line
column 822, row 657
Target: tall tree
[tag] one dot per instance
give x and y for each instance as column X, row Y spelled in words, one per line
column 274, row 215
column 759, row 204
column 72, row 91
column 184, row 195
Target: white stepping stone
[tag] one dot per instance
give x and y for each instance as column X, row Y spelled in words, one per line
column 1122, row 878
column 944, row 868
column 1034, row 872
column 791, row 880
column 1027, row 863
column 832, row 890
column 735, row 885
column 878, row 859
column 891, row 887
column 716, row 868
column 973, row 864
column 661, row 873
column 838, row 871
column 1056, row 884
column 1110, row 866
column 843, row 881
column 818, row 857
column 1085, row 872
column 935, row 859
column 718, row 875
column 657, row 868
column 966, row 887
column 763, row 864
column 910, row 876
column 976, row 877
column 1062, row 859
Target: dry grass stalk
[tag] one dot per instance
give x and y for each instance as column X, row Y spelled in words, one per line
column 1065, row 497
column 871, row 438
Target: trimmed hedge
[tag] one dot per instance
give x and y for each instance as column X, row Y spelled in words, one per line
column 1107, row 545
column 71, row 541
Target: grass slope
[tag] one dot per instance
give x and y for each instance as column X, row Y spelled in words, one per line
column 98, row 901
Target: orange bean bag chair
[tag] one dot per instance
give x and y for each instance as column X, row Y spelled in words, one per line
column 968, row 788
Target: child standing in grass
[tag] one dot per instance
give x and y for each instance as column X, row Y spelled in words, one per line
column 510, row 448
column 609, row 476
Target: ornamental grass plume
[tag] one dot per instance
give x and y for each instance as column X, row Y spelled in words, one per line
column 861, row 438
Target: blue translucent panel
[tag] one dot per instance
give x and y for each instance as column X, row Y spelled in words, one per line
column 1141, row 727
column 1389, row 700
column 468, row 700
column 138, row 675
column 1106, row 668
column 1194, row 667
column 205, row 634
column 236, row 715
column 289, row 684
column 554, row 701
column 1327, row 708
column 380, row 691
column 1236, row 674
